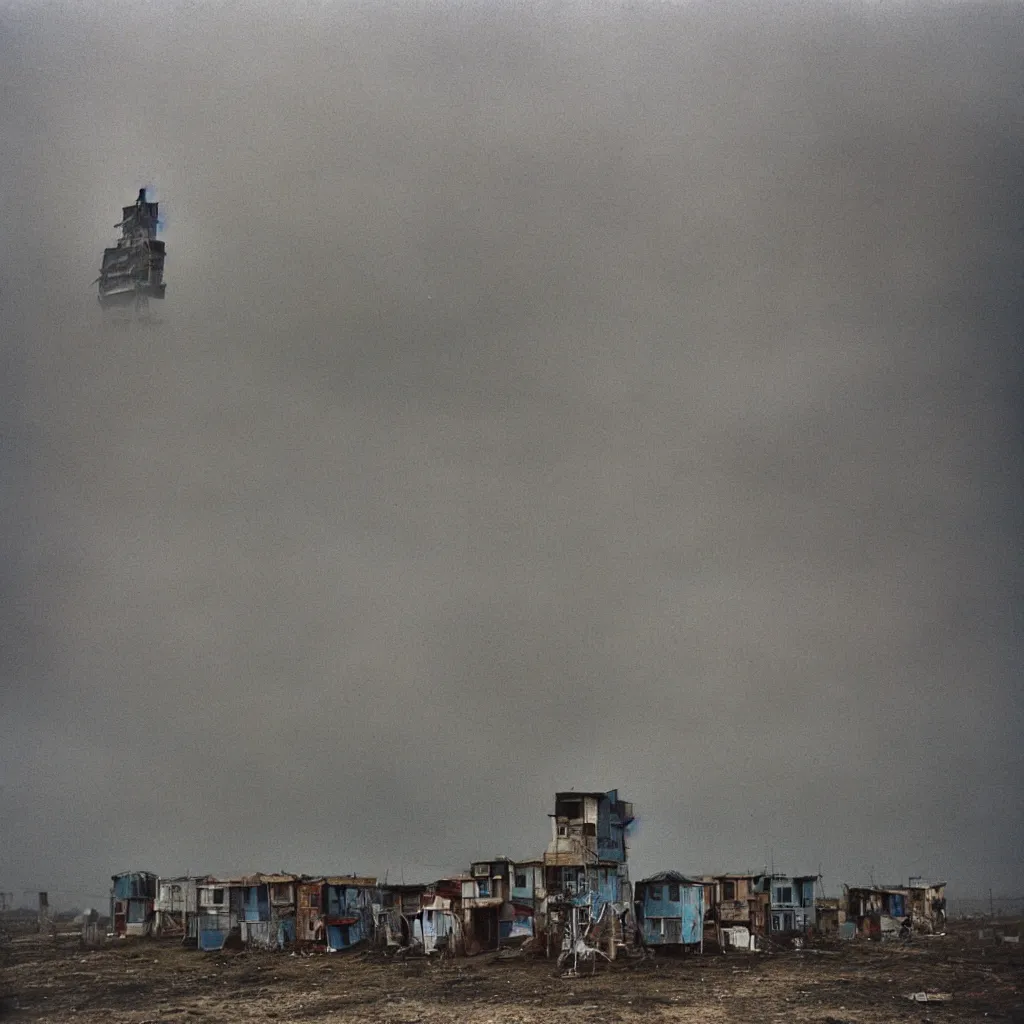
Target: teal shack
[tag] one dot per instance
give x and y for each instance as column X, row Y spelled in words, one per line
column 670, row 910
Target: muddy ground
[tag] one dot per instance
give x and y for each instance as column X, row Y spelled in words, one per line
column 146, row 981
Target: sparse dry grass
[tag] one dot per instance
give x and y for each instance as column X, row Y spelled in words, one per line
column 136, row 982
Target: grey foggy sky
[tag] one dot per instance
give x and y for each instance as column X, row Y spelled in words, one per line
column 545, row 396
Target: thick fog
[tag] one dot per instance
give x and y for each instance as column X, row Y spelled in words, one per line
column 546, row 396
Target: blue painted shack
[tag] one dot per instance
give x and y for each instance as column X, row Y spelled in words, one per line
column 220, row 911
column 587, row 828
column 268, row 910
column 528, row 898
column 586, row 878
column 350, row 907
column 588, row 850
column 132, row 898
column 670, row 910
column 791, row 903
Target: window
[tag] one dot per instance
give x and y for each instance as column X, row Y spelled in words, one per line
column 728, row 890
column 314, row 899
column 784, row 894
column 654, row 892
column 569, row 807
column 520, row 879
column 673, row 893
column 218, row 897
column 484, row 886
column 481, row 869
column 563, row 830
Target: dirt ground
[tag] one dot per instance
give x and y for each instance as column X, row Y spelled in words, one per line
column 145, row 982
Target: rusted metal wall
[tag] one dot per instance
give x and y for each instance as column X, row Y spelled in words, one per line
column 309, row 926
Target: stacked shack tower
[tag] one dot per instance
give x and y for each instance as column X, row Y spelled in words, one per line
column 133, row 270
column 586, row 872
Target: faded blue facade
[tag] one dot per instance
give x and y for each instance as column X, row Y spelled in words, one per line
column 527, row 880
column 790, row 903
column 595, row 823
column 586, row 860
column 221, row 910
column 670, row 909
column 267, row 910
column 349, row 912
column 607, row 882
column 598, row 897
column 604, row 881
column 526, row 895
column 614, row 817
column 255, row 903
column 132, row 902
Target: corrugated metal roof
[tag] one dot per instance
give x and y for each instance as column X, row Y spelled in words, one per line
column 671, row 876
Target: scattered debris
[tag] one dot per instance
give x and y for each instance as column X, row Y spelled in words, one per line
column 858, row 981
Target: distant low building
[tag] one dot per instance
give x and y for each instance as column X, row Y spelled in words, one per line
column 879, row 910
column 928, row 905
column 830, row 914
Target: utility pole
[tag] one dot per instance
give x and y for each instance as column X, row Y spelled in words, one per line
column 991, row 904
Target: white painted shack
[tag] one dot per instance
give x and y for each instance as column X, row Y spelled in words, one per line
column 176, row 907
